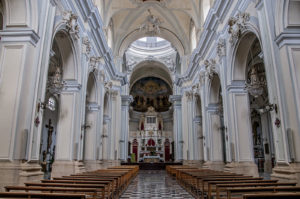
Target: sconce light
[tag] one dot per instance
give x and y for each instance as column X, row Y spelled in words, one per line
column 51, row 104
column 85, row 126
column 268, row 108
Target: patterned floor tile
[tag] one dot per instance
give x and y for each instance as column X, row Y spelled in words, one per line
column 155, row 184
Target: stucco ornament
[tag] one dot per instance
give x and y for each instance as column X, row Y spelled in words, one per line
column 86, row 46
column 236, row 25
column 221, row 47
column 151, row 26
column 71, row 22
column 210, row 68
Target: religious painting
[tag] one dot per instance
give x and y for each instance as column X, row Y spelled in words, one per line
column 151, row 92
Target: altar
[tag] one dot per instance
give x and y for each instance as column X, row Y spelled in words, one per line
column 151, row 143
column 151, row 159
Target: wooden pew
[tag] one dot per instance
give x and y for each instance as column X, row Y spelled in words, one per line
column 94, row 192
column 103, row 183
column 239, row 192
column 63, row 185
column 40, row 195
column 205, row 180
column 221, row 187
column 272, row 196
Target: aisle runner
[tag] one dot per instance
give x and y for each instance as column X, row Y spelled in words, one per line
column 155, row 184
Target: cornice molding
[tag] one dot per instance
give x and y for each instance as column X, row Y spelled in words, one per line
column 288, row 38
column 20, row 35
column 91, row 15
column 215, row 16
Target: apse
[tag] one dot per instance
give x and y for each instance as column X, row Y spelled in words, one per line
column 151, row 91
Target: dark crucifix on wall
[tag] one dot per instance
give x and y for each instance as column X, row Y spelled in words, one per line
column 50, row 131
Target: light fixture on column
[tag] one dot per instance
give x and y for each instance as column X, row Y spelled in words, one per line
column 267, row 108
column 85, row 126
column 51, row 104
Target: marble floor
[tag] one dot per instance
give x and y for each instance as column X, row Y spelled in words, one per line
column 155, row 184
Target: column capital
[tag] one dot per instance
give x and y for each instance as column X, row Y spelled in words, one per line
column 93, row 107
column 70, row 86
column 189, row 94
column 175, row 98
column 237, row 86
column 126, row 100
column 114, row 93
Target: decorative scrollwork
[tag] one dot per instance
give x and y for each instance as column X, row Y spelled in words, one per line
column 71, row 22
column 236, row 25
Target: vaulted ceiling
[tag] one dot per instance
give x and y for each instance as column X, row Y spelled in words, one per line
column 124, row 18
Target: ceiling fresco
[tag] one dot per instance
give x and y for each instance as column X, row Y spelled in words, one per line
column 151, row 91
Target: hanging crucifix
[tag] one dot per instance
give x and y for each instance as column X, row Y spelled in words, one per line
column 50, row 131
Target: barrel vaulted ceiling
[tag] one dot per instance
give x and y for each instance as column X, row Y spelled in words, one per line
column 124, row 18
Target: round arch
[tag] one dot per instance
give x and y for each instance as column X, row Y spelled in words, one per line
column 92, row 89
column 123, row 44
column 238, row 70
column 151, row 68
column 68, row 42
column 214, row 90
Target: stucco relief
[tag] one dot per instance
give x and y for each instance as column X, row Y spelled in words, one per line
column 236, row 26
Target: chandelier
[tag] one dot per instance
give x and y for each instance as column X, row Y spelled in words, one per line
column 256, row 84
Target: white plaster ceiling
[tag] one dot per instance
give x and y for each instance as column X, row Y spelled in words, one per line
column 126, row 16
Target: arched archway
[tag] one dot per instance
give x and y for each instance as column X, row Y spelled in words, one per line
column 61, row 74
column 151, row 122
column 252, row 106
column 151, row 69
column 256, row 85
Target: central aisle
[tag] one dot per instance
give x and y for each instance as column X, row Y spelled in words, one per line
column 155, row 184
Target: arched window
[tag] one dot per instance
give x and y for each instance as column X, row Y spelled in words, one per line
column 99, row 4
column 206, row 5
column 110, row 34
column 193, row 36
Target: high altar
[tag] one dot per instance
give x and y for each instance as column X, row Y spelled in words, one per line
column 151, row 143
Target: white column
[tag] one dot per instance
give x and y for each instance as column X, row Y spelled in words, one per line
column 114, row 122
column 90, row 131
column 214, row 133
column 126, row 100
column 281, row 59
column 177, row 127
column 68, row 111
column 18, row 77
column 190, row 131
column 239, row 111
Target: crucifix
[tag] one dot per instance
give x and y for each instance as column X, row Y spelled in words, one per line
column 50, row 131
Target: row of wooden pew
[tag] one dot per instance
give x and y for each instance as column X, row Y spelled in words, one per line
column 210, row 184
column 104, row 183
